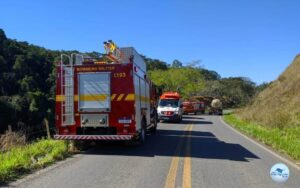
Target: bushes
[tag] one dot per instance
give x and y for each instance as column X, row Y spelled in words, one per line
column 11, row 139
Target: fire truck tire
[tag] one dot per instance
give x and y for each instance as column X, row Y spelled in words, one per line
column 179, row 119
column 142, row 134
column 154, row 128
column 78, row 145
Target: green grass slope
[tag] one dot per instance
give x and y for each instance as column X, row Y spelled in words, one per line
column 278, row 106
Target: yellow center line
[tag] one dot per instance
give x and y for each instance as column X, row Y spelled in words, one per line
column 171, row 178
column 186, row 176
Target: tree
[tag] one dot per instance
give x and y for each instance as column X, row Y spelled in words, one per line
column 176, row 64
column 210, row 75
column 3, row 65
column 237, row 90
column 23, row 71
column 186, row 80
column 3, row 40
column 7, row 113
column 262, row 86
column 20, row 66
column 38, row 106
column 155, row 64
column 27, row 84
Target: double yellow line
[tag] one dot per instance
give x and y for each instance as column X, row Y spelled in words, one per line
column 186, row 176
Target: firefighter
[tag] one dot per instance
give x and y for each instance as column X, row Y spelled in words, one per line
column 131, row 58
column 106, row 47
column 114, row 50
column 112, row 46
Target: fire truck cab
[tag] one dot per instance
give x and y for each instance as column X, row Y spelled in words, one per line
column 104, row 100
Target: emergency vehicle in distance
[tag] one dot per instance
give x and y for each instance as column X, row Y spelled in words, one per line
column 193, row 107
column 109, row 98
column 189, row 107
column 170, row 107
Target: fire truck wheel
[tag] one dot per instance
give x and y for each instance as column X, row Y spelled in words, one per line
column 78, row 145
column 154, row 128
column 179, row 119
column 142, row 134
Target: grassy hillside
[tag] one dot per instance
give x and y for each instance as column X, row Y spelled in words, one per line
column 278, row 105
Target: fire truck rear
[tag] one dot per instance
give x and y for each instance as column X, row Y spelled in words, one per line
column 104, row 100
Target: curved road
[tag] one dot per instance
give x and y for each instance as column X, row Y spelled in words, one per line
column 201, row 151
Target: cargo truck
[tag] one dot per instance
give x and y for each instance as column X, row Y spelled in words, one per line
column 189, row 107
column 199, row 106
column 216, row 107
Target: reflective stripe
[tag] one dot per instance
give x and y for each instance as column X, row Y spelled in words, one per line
column 129, row 97
column 93, row 137
column 120, row 97
column 99, row 97
column 113, row 97
column 102, row 97
column 144, row 99
column 60, row 98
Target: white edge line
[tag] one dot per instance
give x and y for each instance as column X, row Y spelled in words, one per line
column 262, row 146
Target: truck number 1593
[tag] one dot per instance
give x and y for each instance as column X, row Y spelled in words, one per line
column 120, row 75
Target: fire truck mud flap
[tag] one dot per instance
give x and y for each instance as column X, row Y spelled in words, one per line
column 93, row 137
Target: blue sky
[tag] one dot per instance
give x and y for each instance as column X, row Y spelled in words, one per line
column 252, row 38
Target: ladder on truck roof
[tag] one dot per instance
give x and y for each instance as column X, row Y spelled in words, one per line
column 67, row 87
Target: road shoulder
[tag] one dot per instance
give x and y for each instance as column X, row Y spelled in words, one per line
column 263, row 146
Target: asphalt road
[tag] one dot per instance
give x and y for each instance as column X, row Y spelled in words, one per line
column 201, row 152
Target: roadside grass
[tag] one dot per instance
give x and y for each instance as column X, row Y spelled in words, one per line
column 277, row 106
column 286, row 140
column 21, row 160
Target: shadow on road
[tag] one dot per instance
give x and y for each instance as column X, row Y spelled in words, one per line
column 164, row 143
column 186, row 121
column 191, row 117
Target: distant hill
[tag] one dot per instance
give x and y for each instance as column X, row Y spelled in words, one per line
column 279, row 104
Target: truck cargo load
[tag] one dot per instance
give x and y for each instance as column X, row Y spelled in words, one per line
column 216, row 107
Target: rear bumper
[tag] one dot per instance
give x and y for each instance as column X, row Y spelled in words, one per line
column 170, row 118
column 93, row 137
column 189, row 111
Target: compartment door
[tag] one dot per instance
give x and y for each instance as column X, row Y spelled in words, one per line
column 94, row 92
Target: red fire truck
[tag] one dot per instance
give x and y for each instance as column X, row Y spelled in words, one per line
column 104, row 100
